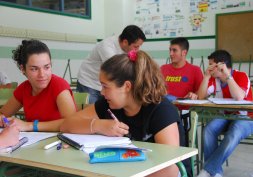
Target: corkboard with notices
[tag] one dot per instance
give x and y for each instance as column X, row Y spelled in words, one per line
column 234, row 33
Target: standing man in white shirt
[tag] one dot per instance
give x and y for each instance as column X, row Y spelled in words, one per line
column 4, row 80
column 132, row 37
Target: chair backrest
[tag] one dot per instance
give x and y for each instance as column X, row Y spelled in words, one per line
column 81, row 99
column 14, row 84
column 182, row 170
column 6, row 93
column 193, row 129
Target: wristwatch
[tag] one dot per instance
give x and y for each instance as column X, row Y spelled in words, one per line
column 229, row 77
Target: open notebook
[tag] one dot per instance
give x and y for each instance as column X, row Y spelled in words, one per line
column 88, row 143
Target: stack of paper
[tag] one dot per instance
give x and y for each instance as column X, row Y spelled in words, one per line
column 192, row 101
column 91, row 142
column 228, row 101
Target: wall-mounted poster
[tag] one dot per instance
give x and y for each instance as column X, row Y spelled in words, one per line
column 190, row 18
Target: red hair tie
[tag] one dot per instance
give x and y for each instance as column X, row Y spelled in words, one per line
column 132, row 54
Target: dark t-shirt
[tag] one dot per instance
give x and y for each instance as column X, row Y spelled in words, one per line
column 147, row 122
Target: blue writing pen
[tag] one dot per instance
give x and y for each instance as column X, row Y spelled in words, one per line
column 112, row 115
column 6, row 121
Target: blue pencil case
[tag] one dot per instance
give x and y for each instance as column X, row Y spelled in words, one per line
column 106, row 155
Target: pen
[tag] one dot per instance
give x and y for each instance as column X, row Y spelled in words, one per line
column 6, row 121
column 21, row 142
column 15, row 147
column 70, row 141
column 52, row 144
column 112, row 115
column 115, row 118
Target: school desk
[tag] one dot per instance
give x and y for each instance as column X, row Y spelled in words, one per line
column 209, row 111
column 75, row 162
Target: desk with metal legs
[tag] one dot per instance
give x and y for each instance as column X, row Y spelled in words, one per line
column 75, row 162
column 209, row 111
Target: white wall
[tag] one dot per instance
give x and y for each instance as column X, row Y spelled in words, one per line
column 108, row 17
column 27, row 19
column 118, row 14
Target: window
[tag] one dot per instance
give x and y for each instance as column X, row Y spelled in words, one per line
column 46, row 4
column 78, row 8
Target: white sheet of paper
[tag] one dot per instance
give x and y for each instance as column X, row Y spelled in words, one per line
column 91, row 141
column 228, row 101
column 34, row 137
column 193, row 101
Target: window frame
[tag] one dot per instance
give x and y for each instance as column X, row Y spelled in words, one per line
column 36, row 9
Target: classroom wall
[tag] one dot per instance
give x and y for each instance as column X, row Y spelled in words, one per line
column 27, row 19
column 45, row 22
column 118, row 14
column 166, row 17
column 108, row 17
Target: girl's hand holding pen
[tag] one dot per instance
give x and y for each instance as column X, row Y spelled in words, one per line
column 116, row 128
column 10, row 135
column 22, row 125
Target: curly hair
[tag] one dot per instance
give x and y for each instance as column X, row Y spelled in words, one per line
column 28, row 48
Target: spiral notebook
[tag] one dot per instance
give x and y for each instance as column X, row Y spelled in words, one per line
column 88, row 143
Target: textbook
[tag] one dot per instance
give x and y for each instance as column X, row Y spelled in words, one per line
column 88, row 143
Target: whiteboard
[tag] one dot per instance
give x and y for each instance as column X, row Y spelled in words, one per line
column 188, row 18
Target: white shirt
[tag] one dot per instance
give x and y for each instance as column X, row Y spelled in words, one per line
column 4, row 79
column 88, row 74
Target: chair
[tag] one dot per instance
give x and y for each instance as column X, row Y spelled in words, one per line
column 182, row 169
column 192, row 139
column 81, row 99
column 6, row 93
column 73, row 80
column 14, row 84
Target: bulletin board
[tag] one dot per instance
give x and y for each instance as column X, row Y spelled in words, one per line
column 188, row 18
column 235, row 34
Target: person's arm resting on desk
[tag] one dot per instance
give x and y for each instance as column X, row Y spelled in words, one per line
column 65, row 105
